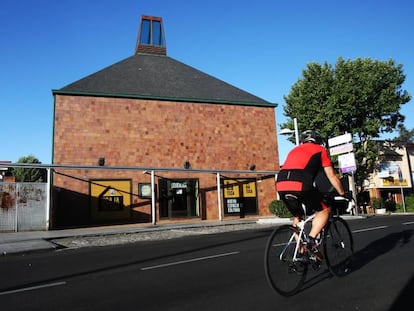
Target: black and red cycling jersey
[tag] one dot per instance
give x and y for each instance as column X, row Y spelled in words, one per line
column 301, row 167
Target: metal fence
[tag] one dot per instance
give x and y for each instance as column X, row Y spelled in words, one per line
column 23, row 206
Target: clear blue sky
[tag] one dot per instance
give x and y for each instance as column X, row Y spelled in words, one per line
column 260, row 46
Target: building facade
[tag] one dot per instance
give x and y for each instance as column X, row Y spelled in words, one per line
column 394, row 177
column 150, row 110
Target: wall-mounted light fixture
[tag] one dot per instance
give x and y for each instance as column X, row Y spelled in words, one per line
column 252, row 167
column 101, row 161
column 187, row 165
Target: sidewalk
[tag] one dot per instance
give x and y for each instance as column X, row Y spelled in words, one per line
column 31, row 241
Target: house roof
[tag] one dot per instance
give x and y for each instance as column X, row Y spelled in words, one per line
column 159, row 77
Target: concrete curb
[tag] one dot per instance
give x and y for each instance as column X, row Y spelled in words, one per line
column 26, row 247
column 265, row 221
column 25, row 242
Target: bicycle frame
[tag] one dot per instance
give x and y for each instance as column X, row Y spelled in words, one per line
column 301, row 234
column 287, row 259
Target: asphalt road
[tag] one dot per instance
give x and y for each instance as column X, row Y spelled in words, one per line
column 222, row 271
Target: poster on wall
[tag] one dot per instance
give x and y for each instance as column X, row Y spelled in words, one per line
column 391, row 174
column 240, row 196
column 231, row 189
column 145, row 190
column 110, row 199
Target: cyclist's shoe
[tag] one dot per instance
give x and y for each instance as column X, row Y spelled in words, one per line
column 303, row 257
column 313, row 252
column 298, row 268
column 316, row 265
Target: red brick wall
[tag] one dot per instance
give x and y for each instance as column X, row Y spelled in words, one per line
column 132, row 132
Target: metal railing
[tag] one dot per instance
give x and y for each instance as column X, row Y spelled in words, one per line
column 144, row 169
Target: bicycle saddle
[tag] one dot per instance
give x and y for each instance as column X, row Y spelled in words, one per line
column 295, row 205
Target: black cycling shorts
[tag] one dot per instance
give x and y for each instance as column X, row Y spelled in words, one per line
column 312, row 199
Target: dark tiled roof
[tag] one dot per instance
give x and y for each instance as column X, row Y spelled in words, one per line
column 160, row 77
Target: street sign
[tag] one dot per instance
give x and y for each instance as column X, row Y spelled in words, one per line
column 341, row 139
column 347, row 162
column 344, row 148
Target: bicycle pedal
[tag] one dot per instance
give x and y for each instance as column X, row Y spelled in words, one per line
column 316, row 265
column 303, row 259
column 315, row 258
column 297, row 268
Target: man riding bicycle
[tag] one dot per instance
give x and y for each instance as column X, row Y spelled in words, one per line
column 297, row 178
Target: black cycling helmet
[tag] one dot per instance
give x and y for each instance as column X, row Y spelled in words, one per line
column 311, row 136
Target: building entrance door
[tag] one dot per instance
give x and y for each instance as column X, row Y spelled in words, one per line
column 179, row 202
column 179, row 198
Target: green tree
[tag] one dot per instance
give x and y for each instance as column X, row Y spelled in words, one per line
column 29, row 174
column 405, row 135
column 362, row 97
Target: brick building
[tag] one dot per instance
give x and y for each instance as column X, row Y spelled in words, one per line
column 150, row 110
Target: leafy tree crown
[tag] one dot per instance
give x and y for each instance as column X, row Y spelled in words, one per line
column 362, row 97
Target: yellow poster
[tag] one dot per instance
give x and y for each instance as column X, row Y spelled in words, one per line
column 231, row 189
column 249, row 190
column 394, row 183
column 110, row 199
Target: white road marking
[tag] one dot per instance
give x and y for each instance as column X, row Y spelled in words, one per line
column 408, row 223
column 370, row 229
column 189, row 260
column 25, row 289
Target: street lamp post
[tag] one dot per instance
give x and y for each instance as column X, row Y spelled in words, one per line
column 287, row 131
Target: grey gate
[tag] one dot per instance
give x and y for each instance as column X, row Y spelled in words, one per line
column 23, row 206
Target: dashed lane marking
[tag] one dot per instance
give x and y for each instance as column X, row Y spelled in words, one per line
column 188, row 261
column 25, row 289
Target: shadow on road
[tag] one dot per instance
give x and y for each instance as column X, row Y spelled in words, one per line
column 316, row 279
column 405, row 298
column 379, row 247
column 203, row 244
column 364, row 256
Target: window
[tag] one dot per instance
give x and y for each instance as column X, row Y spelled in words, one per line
column 151, row 31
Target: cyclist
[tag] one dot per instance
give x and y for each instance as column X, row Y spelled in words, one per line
column 297, row 178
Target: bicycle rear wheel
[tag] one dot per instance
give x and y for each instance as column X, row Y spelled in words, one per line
column 338, row 246
column 283, row 274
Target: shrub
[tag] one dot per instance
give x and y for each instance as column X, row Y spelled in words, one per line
column 409, row 204
column 377, row 203
column 279, row 209
column 390, row 206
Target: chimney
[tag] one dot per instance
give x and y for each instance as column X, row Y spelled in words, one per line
column 151, row 38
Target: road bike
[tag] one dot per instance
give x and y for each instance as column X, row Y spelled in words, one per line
column 286, row 264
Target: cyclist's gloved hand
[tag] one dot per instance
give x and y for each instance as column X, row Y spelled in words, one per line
column 348, row 196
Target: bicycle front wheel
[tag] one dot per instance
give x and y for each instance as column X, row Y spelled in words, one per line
column 284, row 275
column 338, row 246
